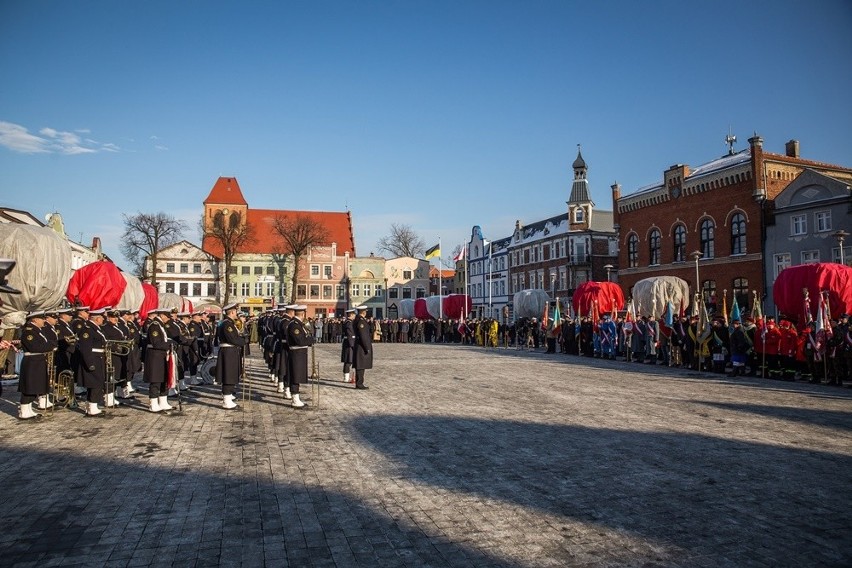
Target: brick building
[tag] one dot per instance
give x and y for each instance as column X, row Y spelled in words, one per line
column 719, row 209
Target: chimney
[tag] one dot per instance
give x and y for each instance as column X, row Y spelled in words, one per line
column 792, row 148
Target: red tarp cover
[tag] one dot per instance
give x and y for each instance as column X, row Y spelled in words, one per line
column 420, row 310
column 457, row 306
column 150, row 302
column 187, row 305
column 96, row 285
column 607, row 294
column 790, row 299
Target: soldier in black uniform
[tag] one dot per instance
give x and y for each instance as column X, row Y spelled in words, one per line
column 51, row 318
column 156, row 368
column 281, row 352
column 363, row 358
column 347, row 352
column 113, row 332
column 196, row 349
column 91, row 368
column 33, row 381
column 229, row 362
column 299, row 338
column 134, row 360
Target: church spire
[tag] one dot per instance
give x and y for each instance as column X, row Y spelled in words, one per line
column 580, row 204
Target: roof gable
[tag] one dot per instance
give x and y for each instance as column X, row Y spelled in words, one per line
column 226, row 190
column 810, row 186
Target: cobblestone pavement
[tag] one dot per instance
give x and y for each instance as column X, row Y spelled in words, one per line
column 456, row 456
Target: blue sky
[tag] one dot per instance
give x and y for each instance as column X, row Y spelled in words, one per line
column 439, row 115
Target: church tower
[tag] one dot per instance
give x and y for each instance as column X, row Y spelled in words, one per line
column 225, row 203
column 580, row 204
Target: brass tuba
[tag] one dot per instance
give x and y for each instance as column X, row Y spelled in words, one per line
column 61, row 386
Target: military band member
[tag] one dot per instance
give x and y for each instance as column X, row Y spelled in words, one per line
column 347, row 352
column 156, row 368
column 363, row 356
column 299, row 338
column 229, row 362
column 33, row 381
column 113, row 332
column 91, row 370
column 51, row 318
column 196, row 349
column 67, row 340
column 134, row 360
column 179, row 340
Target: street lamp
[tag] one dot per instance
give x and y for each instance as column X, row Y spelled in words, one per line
column 696, row 255
column 840, row 236
column 608, row 268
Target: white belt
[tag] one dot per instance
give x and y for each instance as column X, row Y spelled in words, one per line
column 299, row 347
column 227, row 345
column 30, row 354
column 97, row 350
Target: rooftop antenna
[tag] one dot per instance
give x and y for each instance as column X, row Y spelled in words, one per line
column 729, row 140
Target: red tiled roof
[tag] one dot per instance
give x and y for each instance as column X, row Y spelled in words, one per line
column 339, row 227
column 226, row 190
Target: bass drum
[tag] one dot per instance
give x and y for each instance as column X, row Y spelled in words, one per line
column 208, row 370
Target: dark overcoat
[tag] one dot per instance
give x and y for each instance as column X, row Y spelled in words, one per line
column 347, row 352
column 299, row 340
column 363, row 344
column 36, row 345
column 231, row 342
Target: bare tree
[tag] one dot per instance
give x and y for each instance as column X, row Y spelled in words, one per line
column 145, row 234
column 231, row 233
column 402, row 241
column 299, row 233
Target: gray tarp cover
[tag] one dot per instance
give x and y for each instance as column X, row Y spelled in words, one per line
column 530, row 303
column 41, row 274
column 651, row 295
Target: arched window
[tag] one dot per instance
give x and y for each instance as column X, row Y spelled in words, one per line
column 633, row 251
column 738, row 234
column 708, row 237
column 680, row 244
column 654, row 247
column 741, row 293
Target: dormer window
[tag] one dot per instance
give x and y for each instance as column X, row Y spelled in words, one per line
column 579, row 215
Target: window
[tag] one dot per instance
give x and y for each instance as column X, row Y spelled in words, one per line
column 315, row 290
column 258, row 271
column 782, row 261
column 327, row 271
column 632, row 251
column 708, row 291
column 170, row 287
column 798, row 225
column 406, row 274
column 406, row 292
column 326, row 291
column 270, row 289
column 184, row 289
column 245, row 270
column 196, row 289
column 822, row 221
column 680, row 244
column 810, row 256
column 170, row 267
column 421, row 292
column 847, row 255
column 393, row 293
column 232, row 269
column 315, row 271
column 341, row 292
column 258, row 288
column 579, row 215
column 654, row 247
column 708, row 238
column 232, row 289
column 368, row 290
column 211, row 289
column 244, row 289
column 741, row 292
column 196, row 268
column 270, row 271
column 184, row 268
column 301, row 291
column 738, row 234
column 379, row 291
column 356, row 290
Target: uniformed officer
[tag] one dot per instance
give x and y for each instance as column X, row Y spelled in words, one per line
column 134, row 360
column 299, row 338
column 91, row 369
column 196, row 349
column 363, row 356
column 347, row 352
column 229, row 362
column 281, row 350
column 113, row 332
column 156, row 368
column 33, row 382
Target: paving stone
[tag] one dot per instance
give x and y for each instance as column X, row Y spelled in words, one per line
column 456, row 456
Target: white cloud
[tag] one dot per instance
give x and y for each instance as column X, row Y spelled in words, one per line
column 17, row 138
column 161, row 148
